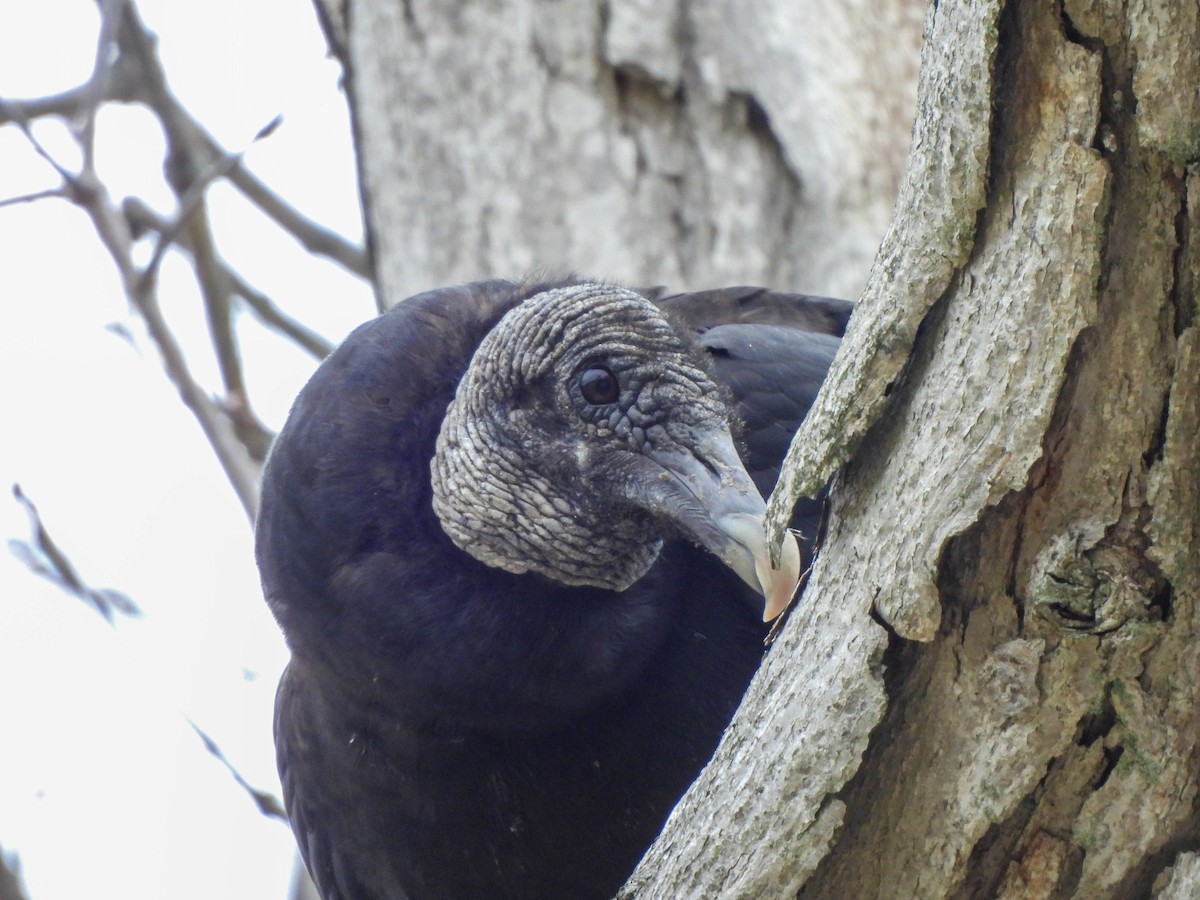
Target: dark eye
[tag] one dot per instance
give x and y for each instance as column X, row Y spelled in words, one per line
column 599, row 386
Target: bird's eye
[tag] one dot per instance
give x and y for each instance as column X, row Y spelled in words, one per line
column 599, row 386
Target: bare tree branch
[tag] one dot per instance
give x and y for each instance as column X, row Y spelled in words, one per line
column 127, row 69
column 48, row 194
column 122, row 86
column 44, row 557
column 190, row 179
column 135, row 75
column 88, row 193
column 142, row 218
column 315, row 238
column 183, row 130
column 97, row 85
column 189, row 193
column 14, row 114
column 240, row 459
column 271, row 315
column 11, row 887
column 219, row 313
column 268, row 804
column 236, row 459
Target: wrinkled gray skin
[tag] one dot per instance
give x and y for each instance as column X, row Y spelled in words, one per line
column 530, row 476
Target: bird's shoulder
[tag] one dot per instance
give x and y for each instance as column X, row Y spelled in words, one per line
column 700, row 311
column 770, row 350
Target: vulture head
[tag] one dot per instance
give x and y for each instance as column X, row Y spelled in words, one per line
column 584, row 431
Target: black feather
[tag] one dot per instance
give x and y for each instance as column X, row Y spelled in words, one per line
column 450, row 730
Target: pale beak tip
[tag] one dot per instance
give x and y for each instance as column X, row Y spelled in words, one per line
column 779, row 585
column 775, row 606
column 751, row 560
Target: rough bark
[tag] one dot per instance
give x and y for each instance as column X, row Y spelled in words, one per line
column 991, row 687
column 1027, row 502
column 681, row 143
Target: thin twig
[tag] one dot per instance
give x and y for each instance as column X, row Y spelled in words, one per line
column 143, row 219
column 193, row 189
column 65, row 105
column 314, row 238
column 14, row 114
column 241, row 468
column 11, row 883
column 43, row 556
column 136, row 75
column 136, row 40
column 123, row 85
column 274, row 317
column 97, row 84
column 47, row 194
column 192, row 220
column 216, row 291
column 268, row 804
column 195, row 160
column 90, row 195
column 188, row 201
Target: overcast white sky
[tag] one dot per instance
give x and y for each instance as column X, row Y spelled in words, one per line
column 104, row 789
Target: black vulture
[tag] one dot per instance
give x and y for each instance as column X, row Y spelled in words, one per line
column 521, row 571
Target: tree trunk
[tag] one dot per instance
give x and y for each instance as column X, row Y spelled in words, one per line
column 991, row 686
column 689, row 143
column 1027, row 505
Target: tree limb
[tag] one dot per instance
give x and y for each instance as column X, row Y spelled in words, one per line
column 137, row 41
column 929, row 239
column 143, row 218
column 90, row 195
column 11, row 887
column 44, row 557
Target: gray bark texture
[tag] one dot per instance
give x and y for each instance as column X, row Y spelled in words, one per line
column 684, row 142
column 991, row 685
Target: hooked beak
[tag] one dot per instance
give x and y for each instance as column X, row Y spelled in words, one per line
column 710, row 496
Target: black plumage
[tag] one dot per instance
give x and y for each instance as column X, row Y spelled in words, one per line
column 469, row 723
